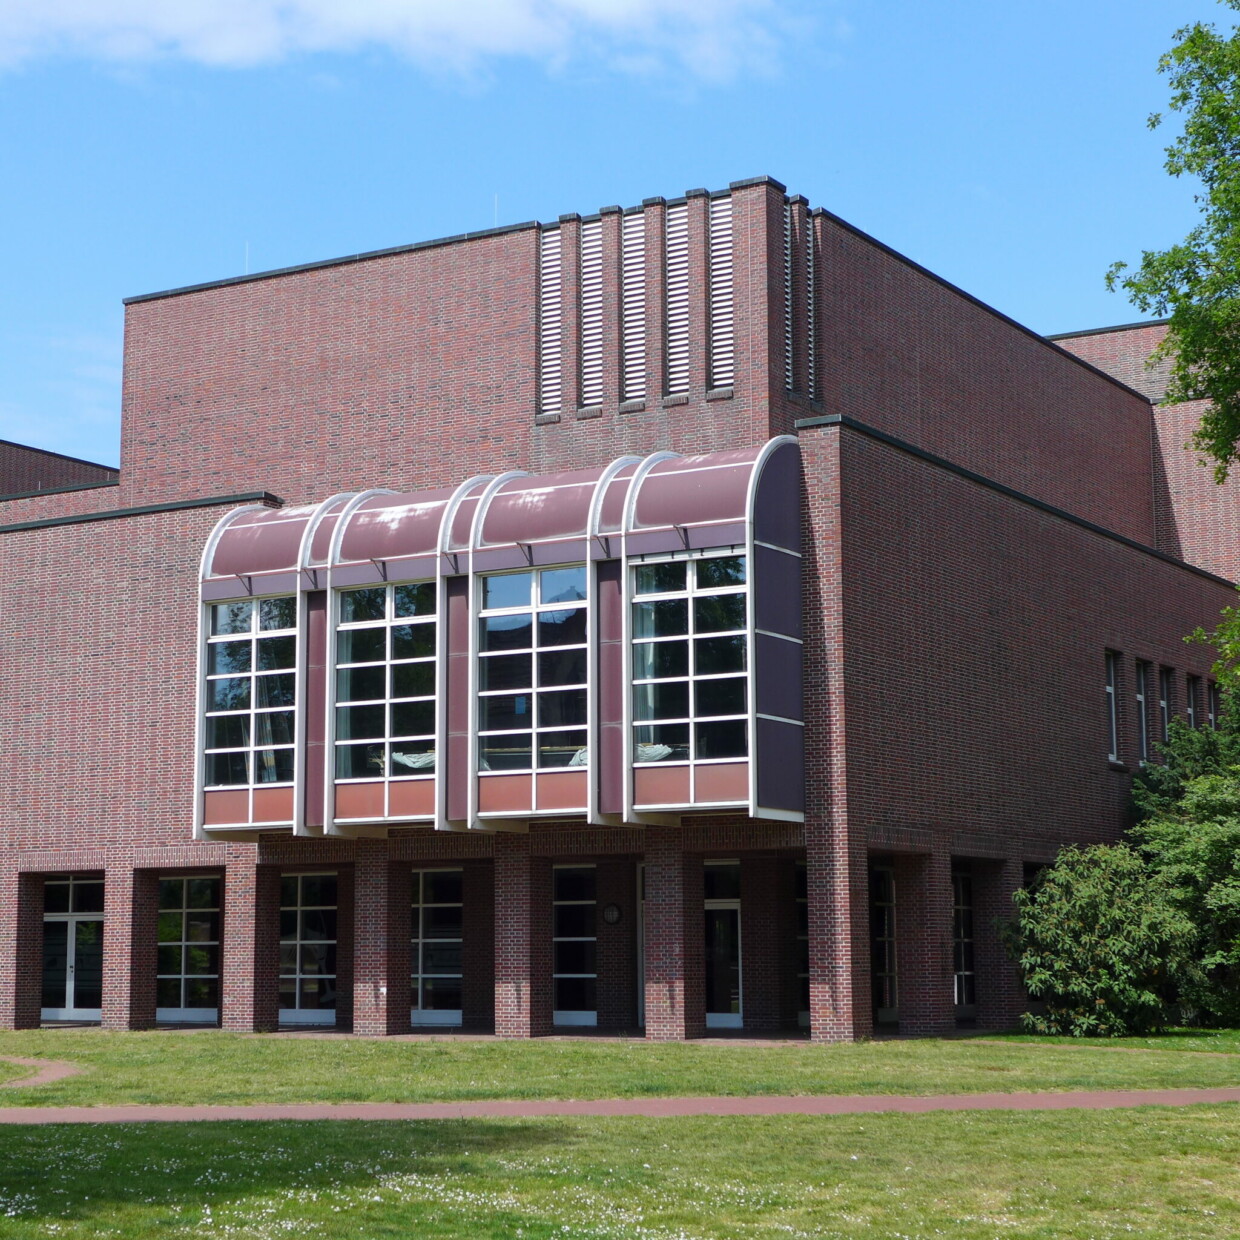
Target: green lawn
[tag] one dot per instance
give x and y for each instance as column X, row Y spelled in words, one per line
column 1050, row 1176
column 234, row 1068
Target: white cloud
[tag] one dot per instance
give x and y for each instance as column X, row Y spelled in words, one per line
column 710, row 38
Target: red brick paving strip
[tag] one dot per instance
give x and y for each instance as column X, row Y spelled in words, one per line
column 651, row 1108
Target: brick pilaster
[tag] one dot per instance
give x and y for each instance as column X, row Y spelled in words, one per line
column 130, row 938
column 522, row 940
column 675, row 939
column 617, row 945
column 381, row 934
column 1000, row 995
column 763, row 951
column 924, row 943
column 21, row 948
column 249, row 951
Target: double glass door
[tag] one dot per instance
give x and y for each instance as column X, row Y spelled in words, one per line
column 73, row 968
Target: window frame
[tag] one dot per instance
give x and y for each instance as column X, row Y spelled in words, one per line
column 1192, row 697
column 1112, row 704
column 580, row 1017
column 299, row 1015
column 185, row 1013
column 420, row 1016
column 1141, row 700
column 1166, row 698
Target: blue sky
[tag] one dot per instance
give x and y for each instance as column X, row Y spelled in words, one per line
column 147, row 144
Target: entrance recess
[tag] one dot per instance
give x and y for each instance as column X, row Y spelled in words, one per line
column 73, row 949
column 723, row 945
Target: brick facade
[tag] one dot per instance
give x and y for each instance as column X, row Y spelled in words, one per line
column 983, row 519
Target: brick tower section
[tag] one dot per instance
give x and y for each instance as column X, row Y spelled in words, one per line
column 675, row 947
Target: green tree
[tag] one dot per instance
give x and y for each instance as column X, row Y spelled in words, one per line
column 1196, row 284
column 1101, row 942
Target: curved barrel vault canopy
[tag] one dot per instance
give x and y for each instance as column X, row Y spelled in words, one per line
column 254, row 540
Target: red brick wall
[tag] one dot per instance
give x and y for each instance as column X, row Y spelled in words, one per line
column 1199, row 519
column 913, row 357
column 31, row 469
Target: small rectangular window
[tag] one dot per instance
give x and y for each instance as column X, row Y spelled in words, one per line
column 437, row 943
column 574, row 944
column 1112, row 696
column 1143, row 716
column 1213, row 703
column 1192, row 701
column 1166, row 698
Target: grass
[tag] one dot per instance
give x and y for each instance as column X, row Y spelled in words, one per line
column 211, row 1067
column 1063, row 1175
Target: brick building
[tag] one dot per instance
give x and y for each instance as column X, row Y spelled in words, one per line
column 693, row 616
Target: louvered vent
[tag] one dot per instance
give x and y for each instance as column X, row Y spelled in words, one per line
column 550, row 326
column 722, row 360
column 677, row 277
column 592, row 312
column 811, row 313
column 633, row 305
column 789, row 378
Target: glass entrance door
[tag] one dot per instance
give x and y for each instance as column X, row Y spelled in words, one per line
column 73, row 968
column 723, row 967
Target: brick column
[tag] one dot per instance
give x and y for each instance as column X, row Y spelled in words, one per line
column 345, row 876
column 924, row 943
column 570, row 313
column 21, row 948
column 522, row 940
column 675, row 939
column 381, row 933
column 249, row 951
column 617, row 945
column 1000, row 996
column 655, row 212
column 698, row 208
column 478, row 945
column 130, row 937
column 831, row 932
column 763, row 952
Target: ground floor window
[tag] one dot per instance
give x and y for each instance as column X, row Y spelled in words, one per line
column 574, row 897
column 72, row 948
column 438, row 922
column 802, row 915
column 308, row 949
column 883, row 945
column 963, row 944
column 722, row 887
column 188, row 967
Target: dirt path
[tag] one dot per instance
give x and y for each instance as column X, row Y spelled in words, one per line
column 653, row 1108
column 42, row 1071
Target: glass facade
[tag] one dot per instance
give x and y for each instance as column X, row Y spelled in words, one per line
column 188, row 965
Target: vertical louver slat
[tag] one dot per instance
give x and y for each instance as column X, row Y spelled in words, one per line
column 550, row 328
column 592, row 312
column 811, row 308
column 677, row 281
column 633, row 306
column 789, row 378
column 722, row 364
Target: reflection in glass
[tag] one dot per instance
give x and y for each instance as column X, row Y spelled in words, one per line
column 562, row 628
column 720, row 654
column 513, row 632
column 507, row 590
column 361, row 646
column 719, row 571
column 562, row 585
column 231, row 617
column 227, row 657
column 231, row 694
column 366, row 604
column 415, row 600
column 665, row 700
column 276, row 653
column 506, row 671
column 359, row 684
column 413, row 680
column 718, row 612
column 666, row 618
column 656, row 660
column 505, row 711
column 277, row 613
column 275, row 690
column 660, row 578
column 413, row 641
column 228, row 731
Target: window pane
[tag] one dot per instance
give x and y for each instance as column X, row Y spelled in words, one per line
column 355, row 722
column 669, row 700
column 359, row 761
column 413, row 680
column 505, row 671
column 277, row 613
column 202, row 992
column 722, row 740
column 317, row 958
column 441, row 957
column 720, row 697
column 202, row 927
column 228, row 731
column 413, row 718
column 361, row 646
column 441, row 922
column 318, row 925
column 442, row 887
column 201, row 958
column 562, row 667
column 413, row 757
column 413, row 641
column 507, row 632
column 660, row 578
column 657, row 660
column 505, row 753
column 574, row 921
column 226, row 657
column 359, row 684
column 275, row 653
column 203, row 892
column 416, row 600
column 277, row 690
column 562, row 628
column 666, row 742
column 273, row 727
column 273, row 766
column 88, row 896
column 667, row 618
column 367, row 604
column 231, row 617
column 288, row 898
column 441, row 994
column 170, row 927
column 720, row 654
column 55, row 900
column 724, row 611
column 288, row 957
column 505, row 711
column 728, row 570
column 168, row 992
column 227, row 768
column 169, row 960
column 562, row 585
column 320, row 889
column 507, row 590
column 232, row 694
column 288, row 993
column 575, row 957
column 171, row 893
column 574, row 994
column 558, row 709
column 574, row 883
column 561, row 748
column 316, row 993
column 722, row 882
